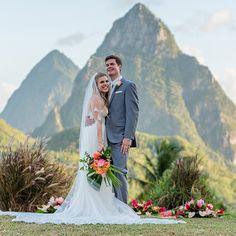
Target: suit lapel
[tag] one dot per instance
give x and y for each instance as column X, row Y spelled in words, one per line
column 116, row 87
column 112, row 95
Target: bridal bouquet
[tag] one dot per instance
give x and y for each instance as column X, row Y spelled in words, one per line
column 99, row 167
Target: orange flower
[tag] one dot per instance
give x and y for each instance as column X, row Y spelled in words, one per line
column 96, row 155
column 107, row 164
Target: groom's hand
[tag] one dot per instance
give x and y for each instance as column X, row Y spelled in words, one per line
column 89, row 121
column 126, row 143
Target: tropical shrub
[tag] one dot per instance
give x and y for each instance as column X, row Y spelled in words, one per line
column 185, row 180
column 165, row 152
column 28, row 178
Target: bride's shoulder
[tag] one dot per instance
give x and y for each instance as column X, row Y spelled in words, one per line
column 95, row 99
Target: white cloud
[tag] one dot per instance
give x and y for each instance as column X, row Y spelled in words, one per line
column 190, row 25
column 193, row 51
column 5, row 90
column 200, row 21
column 71, row 40
column 218, row 19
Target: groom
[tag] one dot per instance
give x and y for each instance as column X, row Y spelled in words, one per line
column 121, row 121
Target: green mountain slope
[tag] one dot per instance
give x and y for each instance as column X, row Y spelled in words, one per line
column 7, row 133
column 47, row 85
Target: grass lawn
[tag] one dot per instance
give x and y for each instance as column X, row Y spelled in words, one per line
column 219, row 226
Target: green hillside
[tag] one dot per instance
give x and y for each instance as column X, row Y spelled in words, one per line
column 222, row 178
column 67, row 139
column 7, row 133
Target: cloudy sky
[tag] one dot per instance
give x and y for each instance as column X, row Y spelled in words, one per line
column 31, row 29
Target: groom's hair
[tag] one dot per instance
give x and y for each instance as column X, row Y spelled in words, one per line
column 117, row 59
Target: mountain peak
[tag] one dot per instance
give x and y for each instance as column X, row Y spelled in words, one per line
column 139, row 32
column 48, row 83
column 55, row 57
column 139, row 8
column 54, row 52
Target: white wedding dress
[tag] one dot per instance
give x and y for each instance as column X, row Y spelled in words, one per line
column 83, row 204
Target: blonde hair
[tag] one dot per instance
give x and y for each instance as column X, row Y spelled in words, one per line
column 104, row 96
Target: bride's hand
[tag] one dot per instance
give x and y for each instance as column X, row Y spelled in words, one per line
column 100, row 146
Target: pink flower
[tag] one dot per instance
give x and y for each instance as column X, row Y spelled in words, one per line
column 147, row 204
column 101, row 162
column 187, row 206
column 118, row 83
column 96, row 155
column 166, row 213
column 210, row 206
column 162, row 209
column 200, row 203
column 59, row 200
column 134, row 203
column 180, row 212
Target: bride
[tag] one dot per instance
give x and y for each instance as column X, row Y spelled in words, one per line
column 84, row 204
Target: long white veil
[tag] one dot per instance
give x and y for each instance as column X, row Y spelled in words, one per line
column 85, row 141
column 85, row 144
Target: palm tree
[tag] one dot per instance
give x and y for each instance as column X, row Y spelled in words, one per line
column 165, row 152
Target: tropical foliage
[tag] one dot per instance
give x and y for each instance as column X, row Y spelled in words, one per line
column 183, row 181
column 28, row 178
column 165, row 152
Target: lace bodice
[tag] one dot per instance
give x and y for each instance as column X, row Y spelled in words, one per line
column 97, row 108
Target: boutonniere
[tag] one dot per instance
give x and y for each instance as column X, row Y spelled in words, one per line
column 118, row 83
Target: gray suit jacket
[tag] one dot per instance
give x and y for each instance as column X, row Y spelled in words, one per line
column 123, row 112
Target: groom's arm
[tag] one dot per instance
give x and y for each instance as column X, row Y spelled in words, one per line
column 132, row 111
